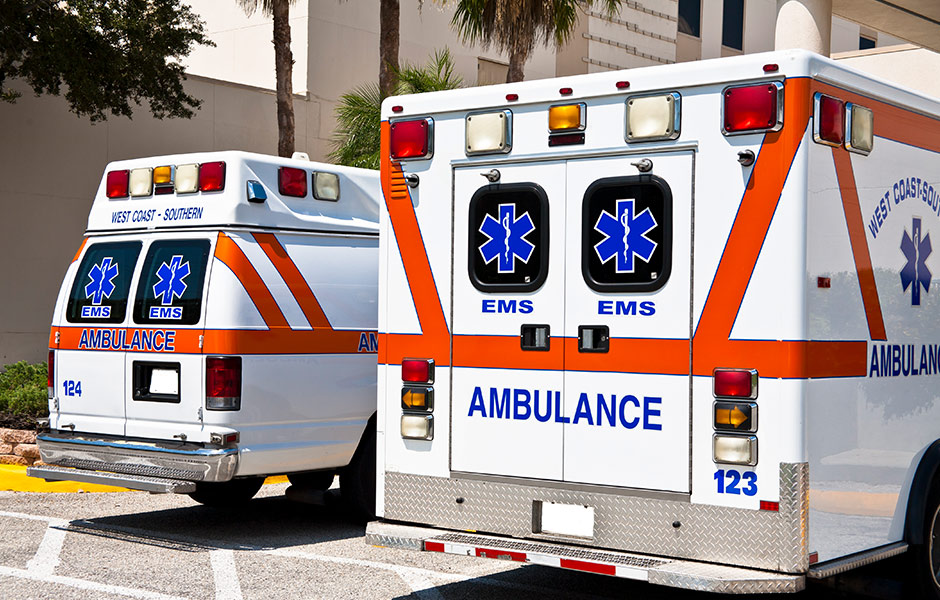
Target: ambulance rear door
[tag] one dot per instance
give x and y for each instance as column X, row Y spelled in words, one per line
column 508, row 302
column 90, row 360
column 627, row 321
column 164, row 373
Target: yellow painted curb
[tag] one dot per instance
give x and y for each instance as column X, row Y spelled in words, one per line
column 13, row 478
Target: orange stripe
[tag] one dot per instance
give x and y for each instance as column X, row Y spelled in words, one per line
column 860, row 251
column 229, row 253
column 504, row 352
column 434, row 340
column 293, row 278
column 80, row 248
column 236, row 341
column 631, row 355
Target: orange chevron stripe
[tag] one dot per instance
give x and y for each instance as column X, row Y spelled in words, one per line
column 227, row 251
column 434, row 340
column 294, row 279
column 80, row 248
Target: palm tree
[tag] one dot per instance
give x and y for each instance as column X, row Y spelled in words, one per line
column 516, row 26
column 389, row 26
column 356, row 139
column 283, row 67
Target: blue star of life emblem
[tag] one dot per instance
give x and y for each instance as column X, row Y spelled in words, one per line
column 916, row 249
column 625, row 235
column 171, row 282
column 102, row 280
column 507, row 238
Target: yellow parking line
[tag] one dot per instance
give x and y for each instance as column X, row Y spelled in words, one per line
column 13, row 478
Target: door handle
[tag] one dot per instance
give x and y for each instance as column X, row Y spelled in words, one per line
column 593, row 338
column 535, row 337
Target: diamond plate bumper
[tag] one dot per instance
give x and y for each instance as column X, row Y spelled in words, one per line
column 753, row 539
column 137, row 458
column 656, row 570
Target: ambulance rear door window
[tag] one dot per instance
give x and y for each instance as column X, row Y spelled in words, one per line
column 626, row 234
column 170, row 287
column 508, row 238
column 99, row 292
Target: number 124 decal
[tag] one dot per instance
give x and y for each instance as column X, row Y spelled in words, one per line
column 732, row 481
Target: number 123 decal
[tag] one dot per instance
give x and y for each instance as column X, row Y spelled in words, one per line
column 730, row 482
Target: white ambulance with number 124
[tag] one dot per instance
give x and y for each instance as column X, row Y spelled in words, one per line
column 676, row 324
column 216, row 326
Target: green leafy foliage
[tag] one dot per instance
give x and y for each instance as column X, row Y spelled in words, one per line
column 357, row 137
column 103, row 55
column 23, row 390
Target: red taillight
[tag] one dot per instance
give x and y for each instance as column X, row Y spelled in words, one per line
column 411, row 139
column 753, row 108
column 512, row 97
column 116, row 183
column 768, row 505
column 212, row 176
column 50, row 370
column 223, row 383
column 830, row 120
column 292, row 182
column 735, row 383
column 417, row 370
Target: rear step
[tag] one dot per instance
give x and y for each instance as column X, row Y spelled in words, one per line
column 658, row 570
column 134, row 482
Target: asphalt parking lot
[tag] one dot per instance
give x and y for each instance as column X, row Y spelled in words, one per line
column 138, row 545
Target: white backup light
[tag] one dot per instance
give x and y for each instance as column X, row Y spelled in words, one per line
column 735, row 449
column 187, row 179
column 417, row 427
column 860, row 127
column 653, row 117
column 141, row 182
column 326, row 186
column 489, row 132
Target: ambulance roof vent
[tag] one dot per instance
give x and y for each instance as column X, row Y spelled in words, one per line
column 300, row 156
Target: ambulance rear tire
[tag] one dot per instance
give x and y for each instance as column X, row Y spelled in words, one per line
column 925, row 557
column 226, row 494
column 315, row 480
column 357, row 480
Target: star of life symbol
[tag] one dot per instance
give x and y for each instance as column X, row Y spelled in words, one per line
column 625, row 235
column 507, row 238
column 171, row 280
column 102, row 280
column 916, row 249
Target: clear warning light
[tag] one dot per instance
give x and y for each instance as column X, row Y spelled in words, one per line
column 652, row 118
column 860, row 124
column 489, row 132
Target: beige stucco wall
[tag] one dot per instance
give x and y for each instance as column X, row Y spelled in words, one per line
column 50, row 167
column 903, row 64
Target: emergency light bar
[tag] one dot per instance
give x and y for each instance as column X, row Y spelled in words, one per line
column 489, row 132
column 651, row 118
column 752, row 108
column 412, row 138
column 829, row 121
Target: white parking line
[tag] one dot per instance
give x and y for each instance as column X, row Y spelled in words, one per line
column 82, row 584
column 46, row 558
column 225, row 575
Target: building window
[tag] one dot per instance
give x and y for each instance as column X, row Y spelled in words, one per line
column 732, row 27
column 865, row 43
column 690, row 17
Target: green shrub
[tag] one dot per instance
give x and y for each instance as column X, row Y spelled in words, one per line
column 23, row 390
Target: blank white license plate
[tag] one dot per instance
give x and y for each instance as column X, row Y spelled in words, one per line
column 568, row 519
column 165, row 381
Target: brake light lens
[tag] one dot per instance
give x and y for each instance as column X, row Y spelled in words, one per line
column 412, row 138
column 50, row 374
column 417, row 370
column 212, row 177
column 292, row 182
column 116, row 184
column 224, row 383
column 753, row 108
column 735, row 383
column 829, row 124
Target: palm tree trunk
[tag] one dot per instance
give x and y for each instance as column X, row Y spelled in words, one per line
column 283, row 69
column 389, row 23
column 517, row 57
